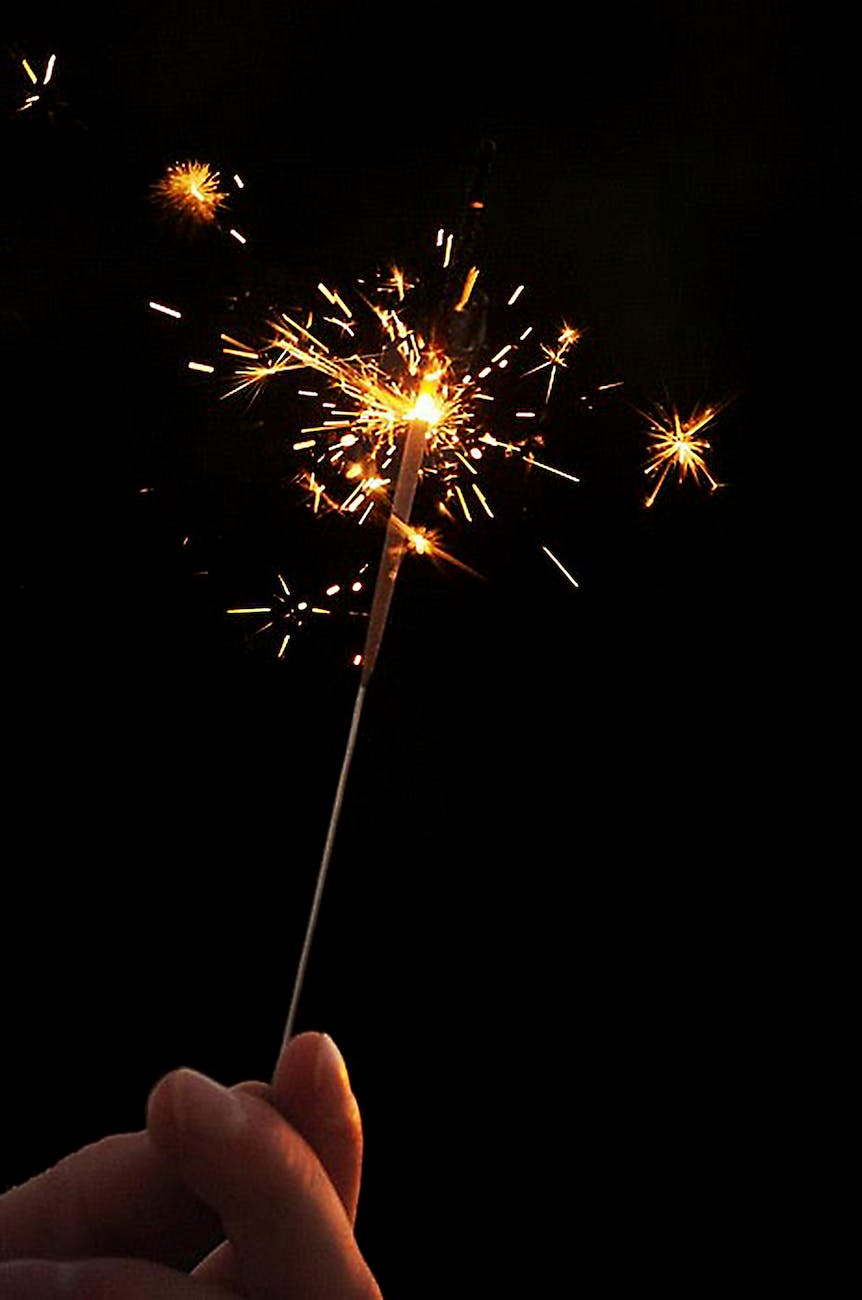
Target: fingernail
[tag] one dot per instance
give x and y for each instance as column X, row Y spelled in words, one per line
column 200, row 1105
column 331, row 1080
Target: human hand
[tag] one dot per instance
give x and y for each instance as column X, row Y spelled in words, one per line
column 259, row 1183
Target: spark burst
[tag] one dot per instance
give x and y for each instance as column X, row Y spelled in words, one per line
column 675, row 442
column 394, row 351
column 569, row 336
column 287, row 612
column 375, row 387
column 190, row 193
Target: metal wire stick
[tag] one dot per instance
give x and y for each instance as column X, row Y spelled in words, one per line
column 394, row 547
column 324, row 862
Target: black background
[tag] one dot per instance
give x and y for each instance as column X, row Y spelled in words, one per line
column 543, row 947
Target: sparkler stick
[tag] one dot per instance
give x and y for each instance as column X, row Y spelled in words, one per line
column 390, row 562
column 423, row 416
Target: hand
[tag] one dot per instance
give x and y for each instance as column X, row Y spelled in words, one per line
column 259, row 1183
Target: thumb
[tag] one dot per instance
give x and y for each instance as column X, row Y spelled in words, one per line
column 277, row 1206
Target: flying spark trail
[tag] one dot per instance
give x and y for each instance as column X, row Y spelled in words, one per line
column 561, row 567
column 675, row 442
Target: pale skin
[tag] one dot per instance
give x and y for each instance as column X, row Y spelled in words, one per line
column 252, row 1188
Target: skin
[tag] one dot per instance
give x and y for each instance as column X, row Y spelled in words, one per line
column 252, row 1188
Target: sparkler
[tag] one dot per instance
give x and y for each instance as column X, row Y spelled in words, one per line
column 419, row 391
column 409, row 396
column 675, row 442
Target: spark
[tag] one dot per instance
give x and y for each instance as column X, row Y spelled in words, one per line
column 167, row 311
column 569, row 336
column 190, row 192
column 551, row 469
column 673, row 441
column 469, row 285
column 561, row 567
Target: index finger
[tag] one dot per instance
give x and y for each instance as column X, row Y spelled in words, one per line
column 279, row 1209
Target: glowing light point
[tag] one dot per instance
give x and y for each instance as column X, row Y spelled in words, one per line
column 426, row 410
column 419, row 541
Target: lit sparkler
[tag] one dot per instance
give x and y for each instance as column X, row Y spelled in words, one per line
column 675, row 442
column 408, row 405
column 424, row 391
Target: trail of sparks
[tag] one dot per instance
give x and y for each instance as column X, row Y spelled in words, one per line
column 674, row 442
column 560, row 566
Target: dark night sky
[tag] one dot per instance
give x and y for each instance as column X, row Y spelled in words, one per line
column 544, row 842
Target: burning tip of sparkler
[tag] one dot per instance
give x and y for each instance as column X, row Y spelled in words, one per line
column 426, row 410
